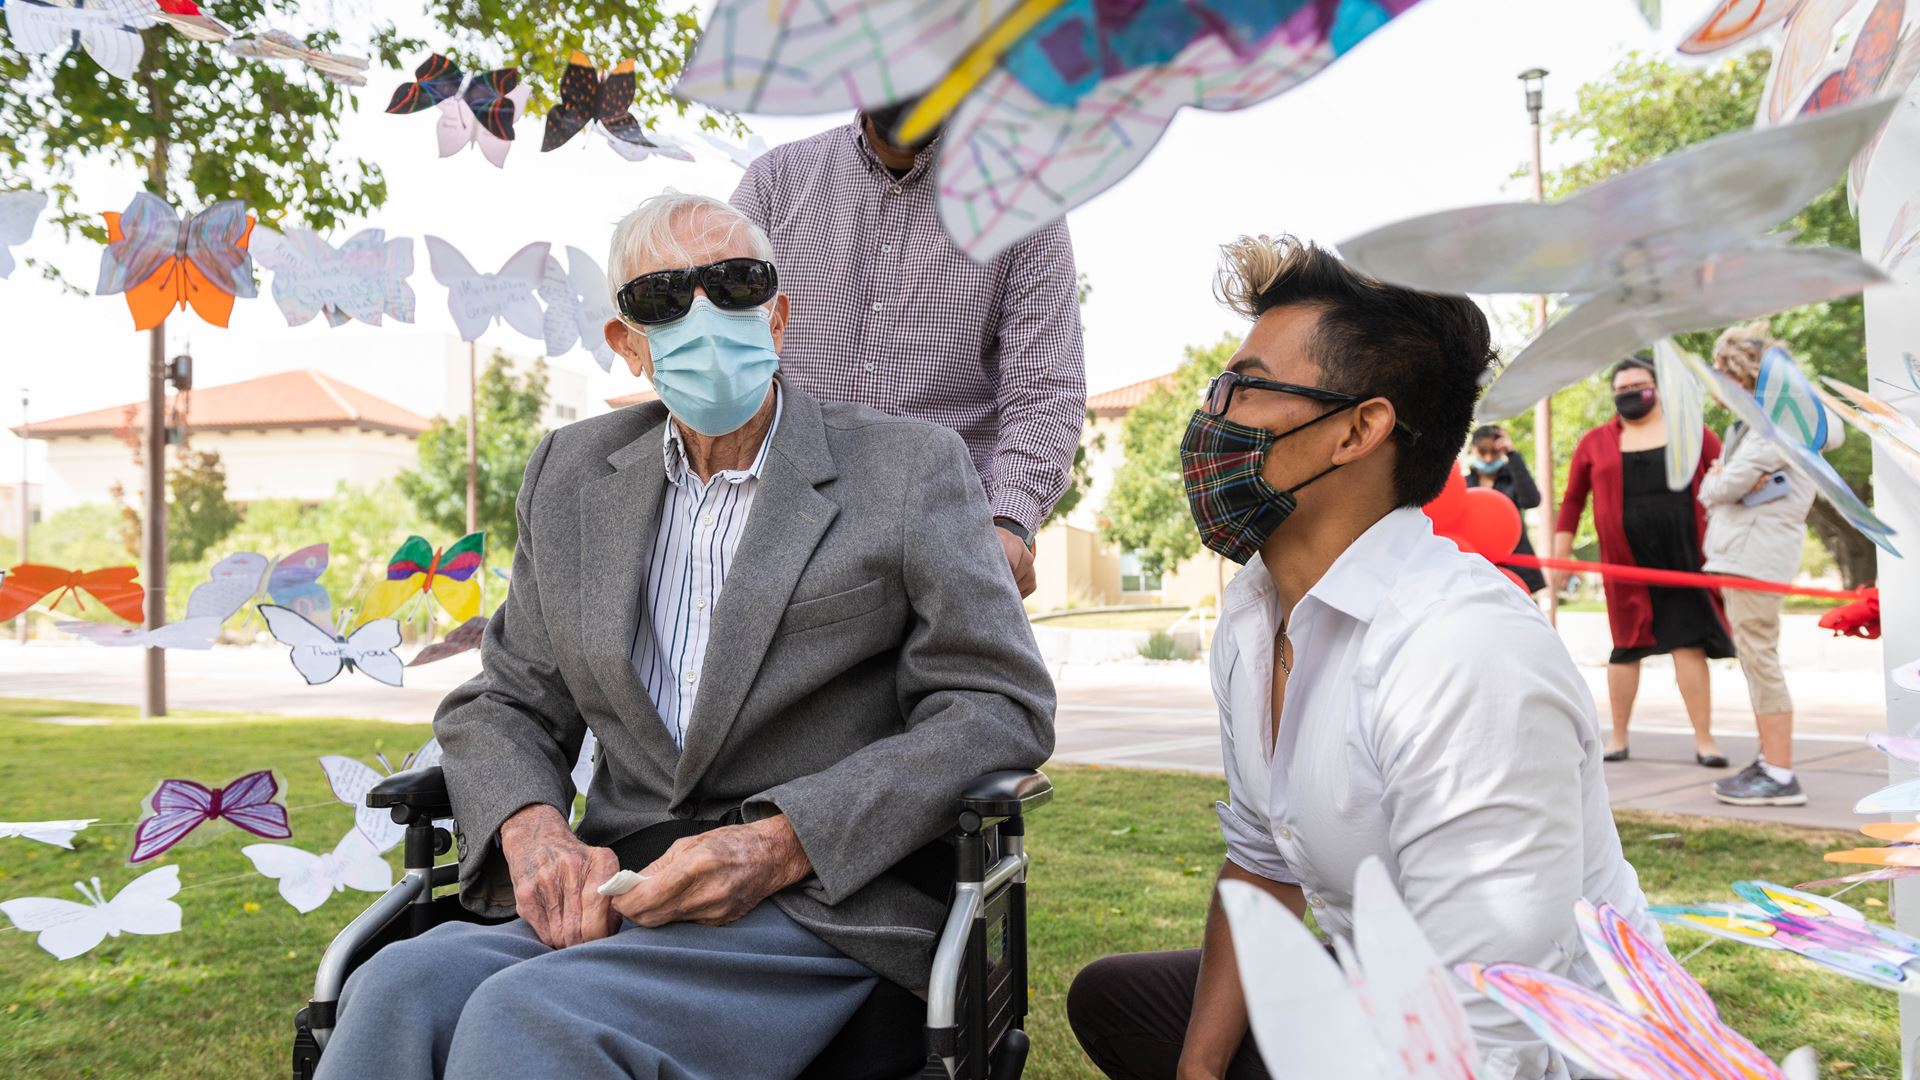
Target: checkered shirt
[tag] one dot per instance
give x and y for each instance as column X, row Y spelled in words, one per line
column 888, row 313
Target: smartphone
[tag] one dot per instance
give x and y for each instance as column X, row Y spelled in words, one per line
column 1777, row 485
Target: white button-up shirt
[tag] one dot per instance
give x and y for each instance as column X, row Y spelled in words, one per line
column 700, row 526
column 1432, row 719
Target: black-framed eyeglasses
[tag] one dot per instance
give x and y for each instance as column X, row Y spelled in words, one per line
column 665, row 295
column 1218, row 396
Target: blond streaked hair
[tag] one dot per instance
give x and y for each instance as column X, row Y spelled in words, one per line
column 663, row 232
column 1248, row 268
column 1738, row 351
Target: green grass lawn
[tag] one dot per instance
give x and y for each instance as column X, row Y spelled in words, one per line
column 1123, row 861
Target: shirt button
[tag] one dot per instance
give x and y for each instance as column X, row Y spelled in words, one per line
column 868, row 366
column 706, row 519
column 896, row 189
column 1283, row 833
column 877, row 305
column 1314, row 901
column 888, row 248
column 700, row 602
column 691, row 676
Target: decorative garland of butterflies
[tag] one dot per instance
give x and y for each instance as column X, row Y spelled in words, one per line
column 297, row 609
column 177, row 809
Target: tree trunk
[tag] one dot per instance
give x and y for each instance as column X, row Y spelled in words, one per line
column 1853, row 554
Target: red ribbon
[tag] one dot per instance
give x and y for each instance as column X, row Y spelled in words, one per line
column 1679, row 579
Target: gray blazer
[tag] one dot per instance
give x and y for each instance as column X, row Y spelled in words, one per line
column 869, row 657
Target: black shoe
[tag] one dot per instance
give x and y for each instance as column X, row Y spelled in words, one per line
column 1616, row 755
column 1710, row 761
column 1753, row 787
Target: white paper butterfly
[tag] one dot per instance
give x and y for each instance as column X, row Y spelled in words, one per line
column 68, row 929
column 365, row 278
column 307, row 880
column 319, row 655
column 57, row 833
column 280, row 45
column 742, row 156
column 198, row 633
column 578, row 307
column 351, row 780
column 109, row 30
column 18, row 212
column 1389, row 1015
column 458, row 126
column 475, row 299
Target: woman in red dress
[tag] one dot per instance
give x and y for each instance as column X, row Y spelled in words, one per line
column 1641, row 522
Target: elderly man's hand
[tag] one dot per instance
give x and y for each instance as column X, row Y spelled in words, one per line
column 1019, row 559
column 556, row 877
column 718, row 876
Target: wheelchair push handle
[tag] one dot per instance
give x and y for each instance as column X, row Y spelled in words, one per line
column 1003, row 795
column 413, row 795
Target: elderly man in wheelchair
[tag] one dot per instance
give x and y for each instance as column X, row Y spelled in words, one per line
column 790, row 626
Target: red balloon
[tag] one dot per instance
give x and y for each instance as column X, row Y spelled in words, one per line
column 1491, row 523
column 1447, row 507
column 1515, row 578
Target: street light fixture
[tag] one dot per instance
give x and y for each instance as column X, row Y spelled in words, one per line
column 1534, row 79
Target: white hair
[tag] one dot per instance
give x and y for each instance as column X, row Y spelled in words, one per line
column 659, row 232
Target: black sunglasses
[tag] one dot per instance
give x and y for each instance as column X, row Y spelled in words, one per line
column 665, row 295
column 1218, row 396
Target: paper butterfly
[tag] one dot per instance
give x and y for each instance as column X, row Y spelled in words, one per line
column 177, row 807
column 109, row 30
column 57, row 833
column 161, row 261
column 1805, row 44
column 68, row 929
column 1903, row 239
column 280, row 45
column 578, row 307
column 1819, row 928
column 1902, row 797
column 1886, row 426
column 365, row 278
column 1905, row 69
column 351, row 780
column 1788, row 399
column 186, row 17
column 460, row 639
column 293, row 582
column 1046, row 103
column 604, row 102
column 473, row 108
column 1874, row 48
column 1885, row 873
column 1644, row 254
column 29, row 583
column 475, row 299
column 448, row 575
column 741, row 155
column 1800, row 457
column 1390, row 1015
column 184, row 634
column 1733, row 21
column 319, row 654
column 1683, row 408
column 308, row 880
column 18, row 211
column 1659, row 1025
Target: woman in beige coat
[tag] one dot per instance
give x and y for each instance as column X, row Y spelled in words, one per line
column 1756, row 525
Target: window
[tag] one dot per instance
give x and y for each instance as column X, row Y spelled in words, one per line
column 565, row 412
column 1132, row 578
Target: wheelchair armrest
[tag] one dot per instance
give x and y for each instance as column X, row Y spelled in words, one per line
column 420, row 794
column 1007, row 793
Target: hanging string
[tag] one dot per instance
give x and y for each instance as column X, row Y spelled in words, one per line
column 1711, row 942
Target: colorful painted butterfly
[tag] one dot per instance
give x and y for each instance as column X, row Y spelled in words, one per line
column 1660, row 1025
column 460, row 639
column 177, row 807
column 161, row 261
column 29, row 583
column 1818, row 928
column 319, row 654
column 448, row 575
column 1734, row 21
column 478, row 108
column 1040, row 104
column 1805, row 44
column 68, row 929
column 1873, row 54
column 591, row 99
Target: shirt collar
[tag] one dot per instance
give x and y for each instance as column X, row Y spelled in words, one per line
column 674, row 451
column 922, row 159
column 1358, row 580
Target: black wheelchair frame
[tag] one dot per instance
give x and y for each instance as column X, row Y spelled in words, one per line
column 970, row 1027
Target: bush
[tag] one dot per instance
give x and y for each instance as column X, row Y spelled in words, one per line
column 1164, row 646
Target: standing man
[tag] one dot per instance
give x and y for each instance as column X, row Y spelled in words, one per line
column 1362, row 713
column 895, row 317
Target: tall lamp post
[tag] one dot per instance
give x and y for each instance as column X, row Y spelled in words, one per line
column 1534, row 79
column 26, row 502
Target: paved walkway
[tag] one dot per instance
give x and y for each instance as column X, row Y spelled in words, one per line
column 1131, row 714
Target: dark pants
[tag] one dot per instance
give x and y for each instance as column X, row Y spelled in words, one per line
column 1130, row 1014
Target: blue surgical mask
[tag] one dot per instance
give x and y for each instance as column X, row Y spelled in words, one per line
column 1490, row 467
column 712, row 367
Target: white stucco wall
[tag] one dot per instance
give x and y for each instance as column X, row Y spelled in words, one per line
column 305, row 464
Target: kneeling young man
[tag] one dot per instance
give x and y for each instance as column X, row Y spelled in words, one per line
column 1380, row 692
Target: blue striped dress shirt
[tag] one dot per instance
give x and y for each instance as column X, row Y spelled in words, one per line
column 700, row 526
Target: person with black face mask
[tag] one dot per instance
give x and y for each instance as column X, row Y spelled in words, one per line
column 1361, row 713
column 1641, row 522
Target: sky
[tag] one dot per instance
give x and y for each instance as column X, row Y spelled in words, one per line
column 1426, row 114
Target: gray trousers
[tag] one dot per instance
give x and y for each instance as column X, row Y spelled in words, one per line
column 759, row 998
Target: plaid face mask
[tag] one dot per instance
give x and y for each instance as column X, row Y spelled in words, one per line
column 1233, row 505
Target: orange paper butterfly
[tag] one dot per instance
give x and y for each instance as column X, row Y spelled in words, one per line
column 29, row 583
column 162, row 261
